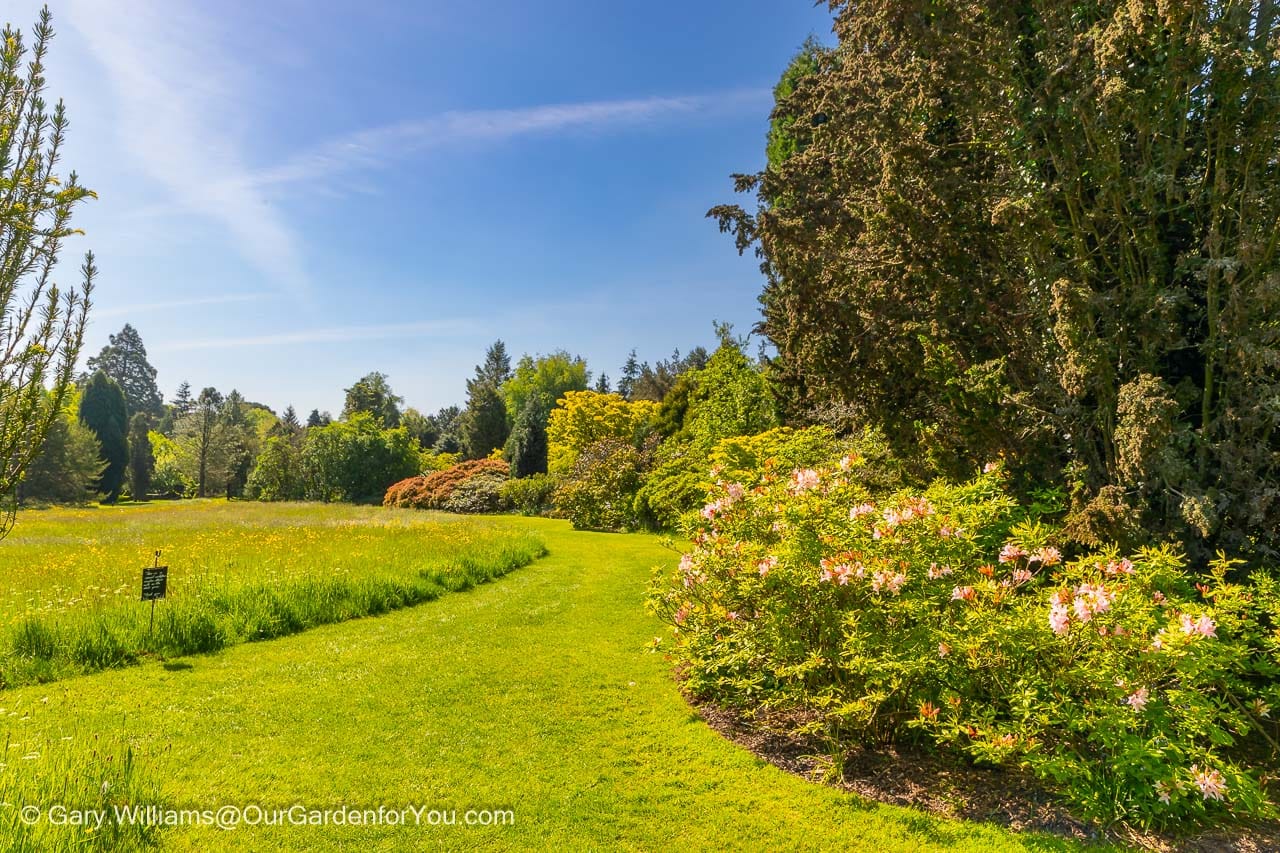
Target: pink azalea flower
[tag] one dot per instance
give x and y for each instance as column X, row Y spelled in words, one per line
column 686, row 562
column 736, row 491
column 1162, row 791
column 1092, row 599
column 1205, row 627
column 990, row 466
column 936, row 571
column 1059, row 619
column 1138, row 699
column 682, row 614
column 804, row 479
column 962, row 593
column 1210, row 782
column 1158, row 597
column 943, row 650
column 1021, row 575
column 861, row 510
column 732, row 616
column 1049, row 556
column 1011, row 552
column 849, row 460
column 767, row 565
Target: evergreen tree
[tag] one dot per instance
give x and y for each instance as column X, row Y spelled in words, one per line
column 373, row 394
column 68, row 466
column 630, row 373
column 315, row 419
column 290, row 419
column 448, row 424
column 182, row 401
column 103, row 410
column 124, row 359
column 602, row 384
column 527, row 447
column 142, row 463
column 484, row 423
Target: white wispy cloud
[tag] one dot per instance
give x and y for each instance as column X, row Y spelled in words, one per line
column 337, row 334
column 195, row 302
column 177, row 106
column 382, row 146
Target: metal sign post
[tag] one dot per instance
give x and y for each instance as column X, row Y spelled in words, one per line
column 155, row 583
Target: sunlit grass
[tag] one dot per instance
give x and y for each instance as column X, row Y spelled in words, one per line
column 536, row 694
column 70, row 578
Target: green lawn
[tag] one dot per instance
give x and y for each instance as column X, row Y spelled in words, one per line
column 534, row 693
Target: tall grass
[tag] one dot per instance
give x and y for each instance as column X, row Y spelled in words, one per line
column 69, row 579
column 76, row 771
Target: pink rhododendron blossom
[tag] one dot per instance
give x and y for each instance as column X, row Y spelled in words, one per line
column 936, row 571
column 732, row 615
column 1092, row 599
column 1158, row 597
column 686, row 563
column 892, row 581
column 1117, row 567
column 1011, row 552
column 1059, row 619
column 1137, row 700
column 1201, row 627
column 990, row 466
column 861, row 510
column 962, row 593
column 1162, row 791
column 682, row 614
column 767, row 565
column 1049, row 556
column 1210, row 782
column 1021, row 575
column 849, row 460
column 804, row 479
column 943, row 650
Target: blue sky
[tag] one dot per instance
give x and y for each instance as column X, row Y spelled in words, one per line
column 295, row 193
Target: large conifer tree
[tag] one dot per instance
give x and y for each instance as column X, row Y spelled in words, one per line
column 103, row 410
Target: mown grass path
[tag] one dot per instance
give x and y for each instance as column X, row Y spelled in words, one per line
column 533, row 693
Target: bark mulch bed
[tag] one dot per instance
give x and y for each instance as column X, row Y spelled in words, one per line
column 950, row 788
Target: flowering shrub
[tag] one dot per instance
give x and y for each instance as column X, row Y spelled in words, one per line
column 673, row 490
column 435, row 490
column 947, row 615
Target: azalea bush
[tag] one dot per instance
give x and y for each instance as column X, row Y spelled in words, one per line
column 437, row 489
column 948, row 615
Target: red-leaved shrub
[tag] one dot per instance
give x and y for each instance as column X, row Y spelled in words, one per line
column 433, row 491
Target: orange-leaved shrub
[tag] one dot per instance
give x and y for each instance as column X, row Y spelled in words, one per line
column 434, row 490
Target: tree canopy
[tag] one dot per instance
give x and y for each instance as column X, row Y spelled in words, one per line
column 124, row 359
column 1045, row 231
